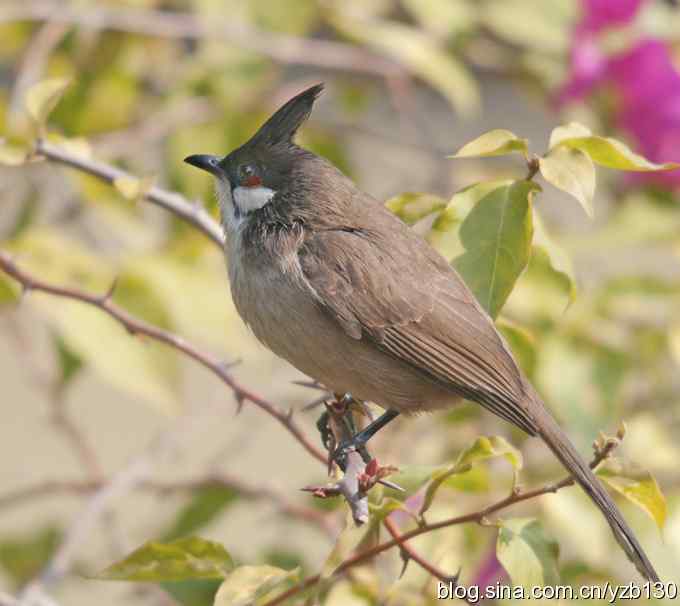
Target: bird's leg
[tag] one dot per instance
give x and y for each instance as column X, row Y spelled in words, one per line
column 344, row 404
column 358, row 440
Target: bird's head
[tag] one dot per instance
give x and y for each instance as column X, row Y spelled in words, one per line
column 250, row 177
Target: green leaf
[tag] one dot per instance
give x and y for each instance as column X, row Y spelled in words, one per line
column 521, row 343
column 23, row 558
column 9, row 293
column 572, row 171
column 497, row 239
column 419, row 52
column 612, row 153
column 387, row 506
column 70, row 363
column 528, row 555
column 188, row 558
column 347, row 541
column 482, row 449
column 246, row 584
column 637, row 485
column 193, row 593
column 411, row 207
column 444, row 234
column 43, row 97
column 494, row 143
column 202, row 509
column 555, row 259
column 12, row 155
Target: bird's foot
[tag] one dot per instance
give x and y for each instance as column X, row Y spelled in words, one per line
column 355, row 443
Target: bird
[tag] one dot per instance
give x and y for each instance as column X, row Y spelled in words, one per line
column 330, row 280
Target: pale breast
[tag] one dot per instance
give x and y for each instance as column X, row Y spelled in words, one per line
column 283, row 314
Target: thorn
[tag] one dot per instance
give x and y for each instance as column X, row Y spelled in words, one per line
column 226, row 366
column 456, row 577
column 240, row 401
column 310, row 385
column 315, row 402
column 289, row 414
column 392, row 485
column 108, row 295
column 405, row 558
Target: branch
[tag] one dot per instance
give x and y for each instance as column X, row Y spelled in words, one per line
column 136, row 471
column 410, row 554
column 54, row 393
column 251, row 491
column 135, row 326
column 174, row 202
column 602, row 451
column 286, row 49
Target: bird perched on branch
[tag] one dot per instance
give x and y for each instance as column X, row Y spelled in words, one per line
column 330, row 280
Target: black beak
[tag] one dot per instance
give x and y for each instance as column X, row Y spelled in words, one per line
column 205, row 162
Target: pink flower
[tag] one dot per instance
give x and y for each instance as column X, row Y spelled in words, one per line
column 643, row 77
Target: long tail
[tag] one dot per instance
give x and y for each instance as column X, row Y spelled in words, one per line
column 565, row 451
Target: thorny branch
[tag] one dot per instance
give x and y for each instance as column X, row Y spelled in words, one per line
column 602, row 449
column 171, row 201
column 137, row 327
column 136, row 471
column 205, row 223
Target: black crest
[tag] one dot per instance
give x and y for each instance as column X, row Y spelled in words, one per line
column 283, row 125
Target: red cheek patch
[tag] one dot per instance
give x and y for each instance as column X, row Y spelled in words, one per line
column 252, row 181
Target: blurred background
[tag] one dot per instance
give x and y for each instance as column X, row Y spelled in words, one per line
column 83, row 404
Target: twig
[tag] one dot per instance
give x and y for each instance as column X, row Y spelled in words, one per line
column 171, row 201
column 34, row 59
column 138, row 470
column 80, row 445
column 516, row 496
column 54, row 394
column 413, row 555
column 349, row 487
column 286, row 49
column 256, row 492
column 134, row 326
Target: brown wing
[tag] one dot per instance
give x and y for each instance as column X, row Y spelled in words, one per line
column 398, row 292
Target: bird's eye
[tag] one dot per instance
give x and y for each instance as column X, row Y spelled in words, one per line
column 249, row 176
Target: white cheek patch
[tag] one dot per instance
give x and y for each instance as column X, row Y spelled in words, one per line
column 234, row 207
column 229, row 218
column 248, row 199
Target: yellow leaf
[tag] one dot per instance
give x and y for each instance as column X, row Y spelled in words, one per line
column 133, row 188
column 637, row 485
column 11, row 155
column 572, row 171
column 493, row 143
column 43, row 97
